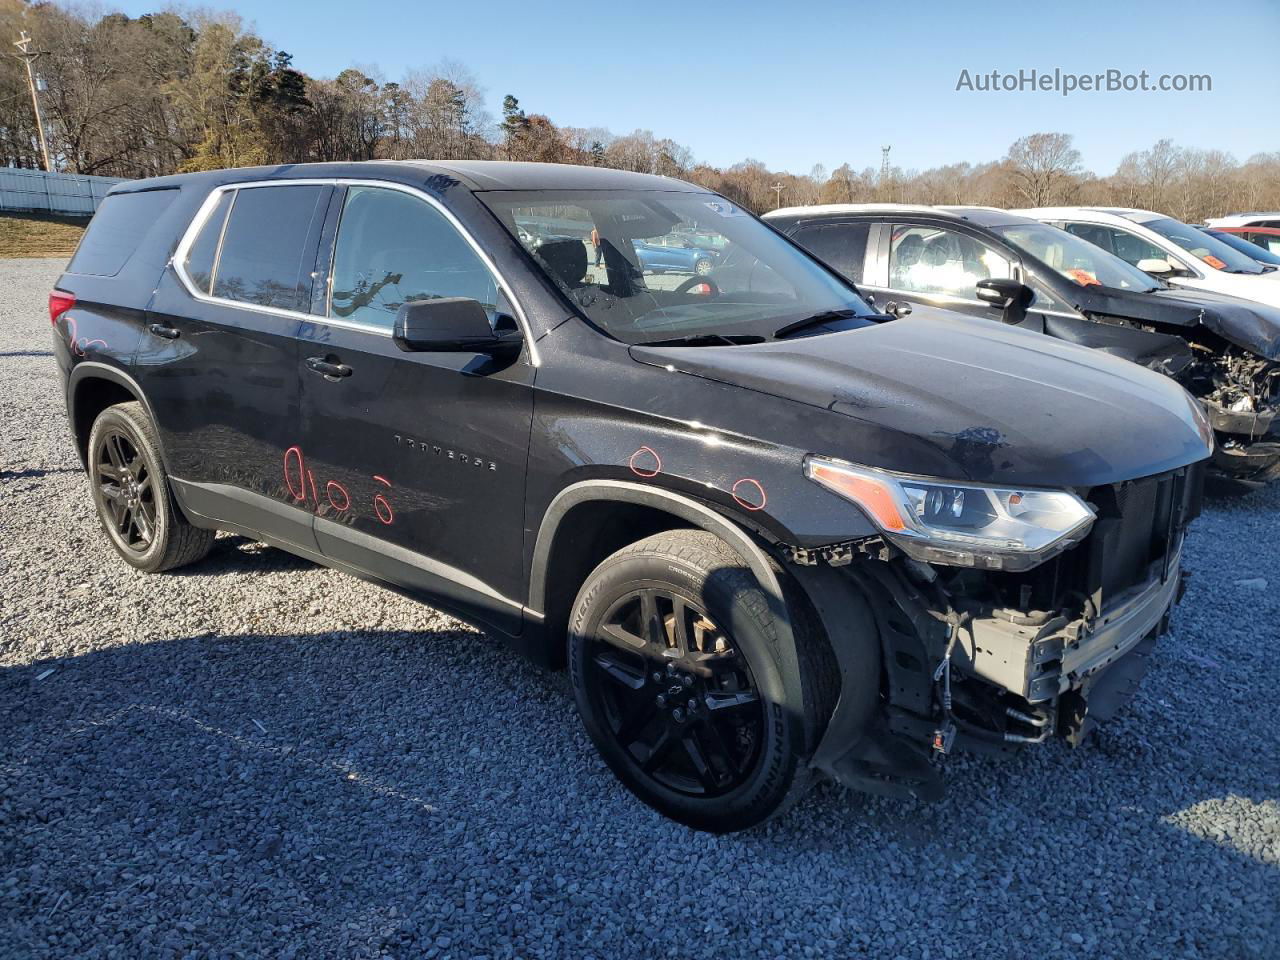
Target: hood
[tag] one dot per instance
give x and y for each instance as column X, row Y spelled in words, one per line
column 1246, row 323
column 992, row 403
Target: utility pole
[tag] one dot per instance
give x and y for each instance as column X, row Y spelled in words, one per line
column 28, row 56
column 777, row 188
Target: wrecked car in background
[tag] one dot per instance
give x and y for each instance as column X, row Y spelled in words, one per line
column 995, row 264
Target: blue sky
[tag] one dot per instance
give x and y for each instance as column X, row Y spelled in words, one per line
column 799, row 83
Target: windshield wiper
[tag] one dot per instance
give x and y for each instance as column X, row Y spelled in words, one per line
column 701, row 340
column 816, row 320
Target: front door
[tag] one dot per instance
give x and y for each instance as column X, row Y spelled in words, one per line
column 413, row 463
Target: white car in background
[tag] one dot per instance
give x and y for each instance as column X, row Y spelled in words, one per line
column 1271, row 219
column 1168, row 249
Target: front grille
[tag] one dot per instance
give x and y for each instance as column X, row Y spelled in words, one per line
column 1139, row 522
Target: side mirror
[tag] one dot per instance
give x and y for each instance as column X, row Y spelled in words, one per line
column 451, row 325
column 897, row 309
column 1156, row 267
column 1005, row 293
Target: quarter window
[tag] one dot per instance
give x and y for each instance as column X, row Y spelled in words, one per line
column 932, row 260
column 265, row 246
column 841, row 246
column 393, row 248
column 203, row 254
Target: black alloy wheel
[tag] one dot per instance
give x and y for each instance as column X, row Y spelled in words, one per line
column 676, row 694
column 127, row 489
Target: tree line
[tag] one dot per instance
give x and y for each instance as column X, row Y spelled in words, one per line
column 165, row 93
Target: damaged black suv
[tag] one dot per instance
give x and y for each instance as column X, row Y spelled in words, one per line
column 773, row 533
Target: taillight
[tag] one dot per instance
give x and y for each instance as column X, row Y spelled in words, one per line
column 59, row 303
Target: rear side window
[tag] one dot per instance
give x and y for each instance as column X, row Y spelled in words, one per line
column 117, row 229
column 265, row 245
column 202, row 257
column 392, row 248
column 841, row 246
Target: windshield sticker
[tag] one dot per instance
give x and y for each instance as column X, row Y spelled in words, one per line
column 1083, row 277
column 1214, row 262
column 725, row 209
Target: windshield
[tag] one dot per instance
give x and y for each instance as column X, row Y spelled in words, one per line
column 1247, row 247
column 649, row 266
column 1077, row 260
column 1208, row 249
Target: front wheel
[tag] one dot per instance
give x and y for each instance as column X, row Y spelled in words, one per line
column 677, row 674
column 131, row 493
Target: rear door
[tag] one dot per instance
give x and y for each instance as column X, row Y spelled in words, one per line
column 219, row 358
column 413, row 462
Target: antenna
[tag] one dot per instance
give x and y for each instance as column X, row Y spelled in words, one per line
column 884, row 164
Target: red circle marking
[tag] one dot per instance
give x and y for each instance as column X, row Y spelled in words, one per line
column 380, row 504
column 382, row 479
column 346, row 497
column 301, row 492
column 745, row 503
column 645, row 473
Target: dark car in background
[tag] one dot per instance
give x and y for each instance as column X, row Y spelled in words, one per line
column 772, row 533
column 993, row 264
column 1252, row 243
column 1266, row 238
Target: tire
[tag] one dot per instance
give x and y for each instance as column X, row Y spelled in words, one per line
column 127, row 476
column 747, row 763
column 702, row 266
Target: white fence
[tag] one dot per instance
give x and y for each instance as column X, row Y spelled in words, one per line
column 67, row 193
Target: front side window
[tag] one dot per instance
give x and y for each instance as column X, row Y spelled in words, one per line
column 1203, row 247
column 392, row 248
column 1079, row 261
column 841, row 246
column 1267, row 241
column 938, row 261
column 1125, row 245
column 660, row 266
column 265, row 245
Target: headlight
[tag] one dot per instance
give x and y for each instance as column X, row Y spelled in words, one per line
column 998, row 528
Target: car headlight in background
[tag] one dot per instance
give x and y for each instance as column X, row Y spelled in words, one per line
column 937, row 521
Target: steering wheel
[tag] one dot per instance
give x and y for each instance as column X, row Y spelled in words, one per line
column 713, row 289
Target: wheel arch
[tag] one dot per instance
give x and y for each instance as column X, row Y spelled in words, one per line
column 91, row 388
column 560, row 564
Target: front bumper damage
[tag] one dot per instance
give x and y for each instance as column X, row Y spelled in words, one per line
column 963, row 668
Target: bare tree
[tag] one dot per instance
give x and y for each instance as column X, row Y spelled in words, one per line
column 1041, row 165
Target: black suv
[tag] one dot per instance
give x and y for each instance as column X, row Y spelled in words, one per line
column 772, row 532
column 998, row 265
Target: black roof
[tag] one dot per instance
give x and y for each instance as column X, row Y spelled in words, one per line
column 473, row 174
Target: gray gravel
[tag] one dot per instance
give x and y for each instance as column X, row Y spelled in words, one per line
column 260, row 757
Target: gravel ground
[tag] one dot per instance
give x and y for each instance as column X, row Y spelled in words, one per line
column 258, row 757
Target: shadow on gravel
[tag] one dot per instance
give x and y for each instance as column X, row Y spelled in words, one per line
column 32, row 474
column 238, row 555
column 26, row 353
column 367, row 794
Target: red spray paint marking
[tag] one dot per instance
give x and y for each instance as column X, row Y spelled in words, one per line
column 314, row 496
column 346, row 497
column 77, row 343
column 298, row 493
column 639, row 455
column 380, row 505
column 755, row 502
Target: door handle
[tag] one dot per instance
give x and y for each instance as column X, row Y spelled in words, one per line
column 324, row 367
column 166, row 331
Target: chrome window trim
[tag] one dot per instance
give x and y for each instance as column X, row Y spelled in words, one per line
column 178, row 261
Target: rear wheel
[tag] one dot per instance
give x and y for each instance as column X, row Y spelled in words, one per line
column 678, row 677
column 131, row 493
column 703, row 266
